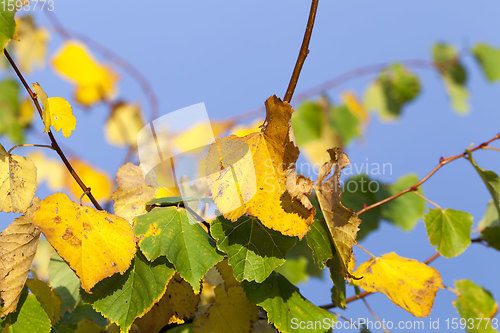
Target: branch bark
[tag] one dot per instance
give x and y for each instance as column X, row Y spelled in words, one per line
column 53, row 141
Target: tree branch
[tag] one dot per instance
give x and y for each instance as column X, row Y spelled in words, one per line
column 442, row 162
column 53, row 141
column 304, row 51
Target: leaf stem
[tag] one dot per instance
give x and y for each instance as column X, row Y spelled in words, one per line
column 428, row 200
column 365, row 250
column 29, row 145
column 53, row 141
column 492, row 148
column 442, row 162
column 304, row 51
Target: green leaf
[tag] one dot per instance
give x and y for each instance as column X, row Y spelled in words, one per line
column 453, row 74
column 491, row 180
column 475, row 302
column 338, row 290
column 358, row 191
column 175, row 201
column 393, row 89
column 318, row 239
column 299, row 264
column 449, row 230
column 307, row 122
column 406, row 210
column 285, row 306
column 490, row 226
column 29, row 316
column 83, row 311
column 489, row 59
column 122, row 298
column 47, row 297
column 10, row 110
column 64, row 282
column 345, row 123
column 254, row 251
column 8, row 9
column 167, row 231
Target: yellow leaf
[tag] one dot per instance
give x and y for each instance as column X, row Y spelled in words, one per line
column 355, row 106
column 94, row 82
column 26, row 112
column 94, row 243
column 98, row 180
column 231, row 312
column 256, row 175
column 18, row 245
column 408, row 283
column 132, row 194
column 50, row 170
column 57, row 112
column 31, row 48
column 177, row 304
column 17, row 182
column 123, row 124
column 242, row 130
column 342, row 222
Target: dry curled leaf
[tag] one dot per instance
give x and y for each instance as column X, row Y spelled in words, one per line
column 18, row 245
column 17, row 182
column 249, row 175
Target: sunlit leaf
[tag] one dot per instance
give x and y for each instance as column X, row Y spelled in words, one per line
column 123, row 124
column 98, row 180
column 7, row 22
column 254, row 251
column 168, row 231
column 94, row 243
column 64, row 282
column 94, row 81
column 57, row 112
column 255, row 175
column 490, row 226
column 31, row 47
column 474, row 303
column 488, row 58
column 408, row 283
column 18, row 245
column 29, row 317
column 17, row 182
column 449, row 230
column 47, row 297
column 123, row 298
column 283, row 302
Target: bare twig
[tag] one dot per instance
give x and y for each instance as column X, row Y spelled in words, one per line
column 304, row 51
column 28, row 145
column 442, row 162
column 53, row 141
column 374, row 315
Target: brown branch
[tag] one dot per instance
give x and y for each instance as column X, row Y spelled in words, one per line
column 442, row 162
column 141, row 80
column 304, row 51
column 53, row 141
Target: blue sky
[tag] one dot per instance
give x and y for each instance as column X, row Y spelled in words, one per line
column 233, row 55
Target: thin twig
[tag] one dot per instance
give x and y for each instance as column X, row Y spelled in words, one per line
column 28, row 145
column 442, row 162
column 426, row 199
column 365, row 250
column 374, row 315
column 136, row 74
column 304, row 51
column 492, row 148
column 53, row 141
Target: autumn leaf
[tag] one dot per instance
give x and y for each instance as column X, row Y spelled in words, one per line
column 94, row 243
column 123, row 298
column 17, row 182
column 408, row 283
column 132, row 194
column 342, row 222
column 94, row 81
column 255, row 175
column 244, row 130
column 7, row 22
column 177, row 304
column 31, row 48
column 123, row 124
column 18, row 246
column 98, row 180
column 231, row 312
column 49, row 170
column 57, row 112
column 47, row 297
